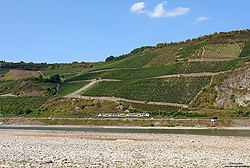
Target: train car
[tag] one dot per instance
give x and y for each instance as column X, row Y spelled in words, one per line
column 145, row 115
column 100, row 115
column 122, row 115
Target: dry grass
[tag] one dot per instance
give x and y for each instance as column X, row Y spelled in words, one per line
column 20, row 74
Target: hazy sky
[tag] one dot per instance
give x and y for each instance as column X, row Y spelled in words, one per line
column 91, row 30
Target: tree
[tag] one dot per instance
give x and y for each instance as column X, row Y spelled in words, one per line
column 110, row 58
column 55, row 78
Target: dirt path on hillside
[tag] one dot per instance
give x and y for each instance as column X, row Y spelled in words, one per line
column 82, row 89
column 190, row 74
column 8, row 95
column 103, row 70
column 209, row 59
column 99, row 80
column 92, row 82
column 122, row 99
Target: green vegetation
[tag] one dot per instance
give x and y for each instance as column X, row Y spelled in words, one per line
column 44, row 66
column 246, row 50
column 174, row 68
column 174, row 90
column 15, row 106
column 67, row 88
column 136, row 61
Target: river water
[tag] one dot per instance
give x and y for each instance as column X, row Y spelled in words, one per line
column 205, row 131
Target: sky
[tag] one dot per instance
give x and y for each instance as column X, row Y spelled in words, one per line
column 91, row 30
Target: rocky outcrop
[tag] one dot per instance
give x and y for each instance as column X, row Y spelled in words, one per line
column 235, row 90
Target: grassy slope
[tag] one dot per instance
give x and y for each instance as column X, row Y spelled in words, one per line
column 246, row 50
column 174, row 90
column 66, row 107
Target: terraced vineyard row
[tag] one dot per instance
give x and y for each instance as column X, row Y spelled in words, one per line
column 180, row 90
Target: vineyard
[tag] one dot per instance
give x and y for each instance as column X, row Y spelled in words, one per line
column 212, row 51
column 174, row 68
column 67, row 88
column 215, row 51
column 86, row 76
column 130, row 62
column 173, row 90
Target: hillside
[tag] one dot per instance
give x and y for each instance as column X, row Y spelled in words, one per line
column 200, row 77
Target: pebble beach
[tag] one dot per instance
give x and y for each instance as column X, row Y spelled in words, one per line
column 24, row 148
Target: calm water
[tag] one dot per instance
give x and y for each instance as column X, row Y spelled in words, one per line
column 218, row 132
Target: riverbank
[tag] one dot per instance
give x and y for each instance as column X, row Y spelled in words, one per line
column 128, row 127
column 24, row 148
column 128, row 122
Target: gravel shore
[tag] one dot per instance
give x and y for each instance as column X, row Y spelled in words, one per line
column 20, row 148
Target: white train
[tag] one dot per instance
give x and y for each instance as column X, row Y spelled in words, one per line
column 125, row 115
